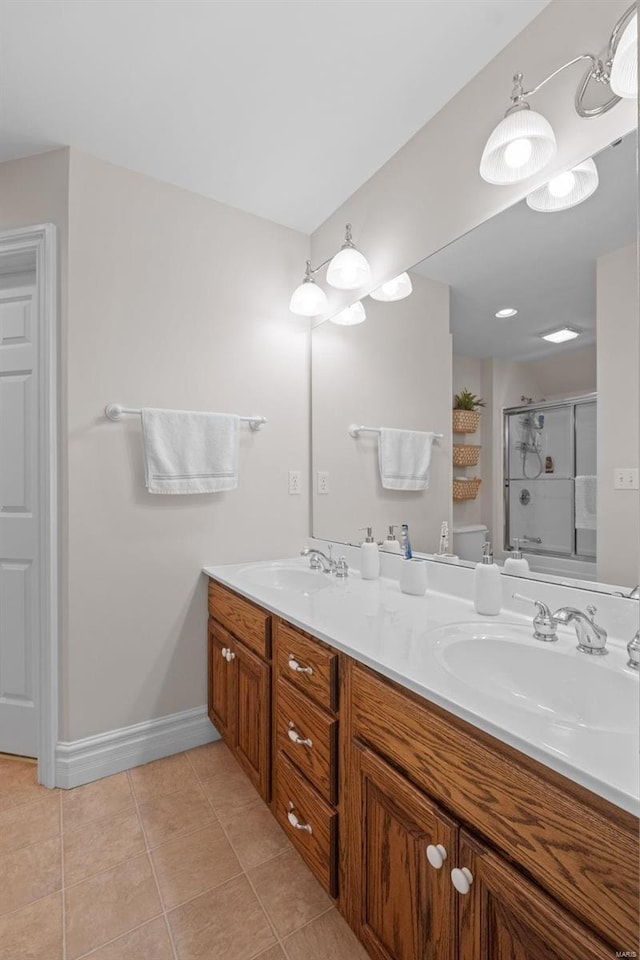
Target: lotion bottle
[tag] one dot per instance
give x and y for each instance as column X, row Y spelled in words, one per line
column 391, row 545
column 487, row 585
column 515, row 564
column 369, row 557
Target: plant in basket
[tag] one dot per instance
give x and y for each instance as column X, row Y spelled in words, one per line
column 466, row 413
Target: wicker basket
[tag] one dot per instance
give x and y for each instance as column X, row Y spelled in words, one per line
column 465, row 455
column 466, row 489
column 465, row 421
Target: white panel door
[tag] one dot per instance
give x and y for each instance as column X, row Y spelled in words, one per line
column 19, row 521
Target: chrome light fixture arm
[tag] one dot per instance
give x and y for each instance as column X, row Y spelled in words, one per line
column 310, row 271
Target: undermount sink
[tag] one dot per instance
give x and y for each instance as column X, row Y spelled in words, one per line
column 503, row 662
column 286, row 576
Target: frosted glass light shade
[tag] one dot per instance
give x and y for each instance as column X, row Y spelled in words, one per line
column 521, row 145
column 566, row 190
column 348, row 270
column 308, row 300
column 396, row 289
column 624, row 70
column 352, row 315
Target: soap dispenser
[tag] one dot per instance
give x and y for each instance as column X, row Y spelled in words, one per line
column 391, row 545
column 487, row 585
column 369, row 556
column 515, row 564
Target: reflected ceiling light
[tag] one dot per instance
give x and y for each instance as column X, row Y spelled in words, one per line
column 352, row 315
column 624, row 69
column 396, row 289
column 506, row 312
column 523, row 143
column 562, row 335
column 348, row 270
column 566, row 190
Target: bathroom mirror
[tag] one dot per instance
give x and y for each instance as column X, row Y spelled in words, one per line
column 559, row 433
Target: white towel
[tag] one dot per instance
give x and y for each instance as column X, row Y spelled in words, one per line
column 190, row 452
column 586, row 503
column 404, row 457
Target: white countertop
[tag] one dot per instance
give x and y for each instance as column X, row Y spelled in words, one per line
column 401, row 637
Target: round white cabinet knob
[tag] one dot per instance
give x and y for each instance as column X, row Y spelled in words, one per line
column 436, row 855
column 461, row 878
column 224, row 652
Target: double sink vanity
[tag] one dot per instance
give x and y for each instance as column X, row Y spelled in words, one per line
column 461, row 789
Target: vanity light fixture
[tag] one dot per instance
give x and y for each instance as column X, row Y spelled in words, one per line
column 351, row 316
column 562, row 335
column 348, row 270
column 523, row 143
column 566, row 190
column 396, row 289
column 506, row 312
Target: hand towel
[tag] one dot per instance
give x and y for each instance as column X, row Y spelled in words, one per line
column 190, row 452
column 404, row 457
column 586, row 503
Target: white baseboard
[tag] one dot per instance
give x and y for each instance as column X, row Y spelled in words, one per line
column 81, row 761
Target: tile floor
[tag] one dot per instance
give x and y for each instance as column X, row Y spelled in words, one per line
column 175, row 860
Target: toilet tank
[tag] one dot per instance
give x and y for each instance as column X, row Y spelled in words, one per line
column 468, row 541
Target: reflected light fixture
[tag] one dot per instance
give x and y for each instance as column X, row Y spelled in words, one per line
column 348, row 270
column 506, row 312
column 561, row 336
column 396, row 289
column 351, row 316
column 523, row 142
column 566, row 190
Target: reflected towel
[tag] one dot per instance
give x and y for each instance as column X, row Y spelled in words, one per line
column 190, row 452
column 404, row 457
column 586, row 492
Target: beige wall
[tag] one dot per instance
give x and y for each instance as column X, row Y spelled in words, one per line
column 568, row 373
column 387, row 372
column 618, row 414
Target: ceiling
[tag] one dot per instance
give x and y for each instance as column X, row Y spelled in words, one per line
column 544, row 264
column 282, row 108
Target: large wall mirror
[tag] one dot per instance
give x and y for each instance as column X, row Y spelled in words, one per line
column 557, row 442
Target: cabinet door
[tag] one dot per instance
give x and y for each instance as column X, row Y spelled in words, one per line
column 222, row 683
column 253, row 718
column 506, row 917
column 407, row 908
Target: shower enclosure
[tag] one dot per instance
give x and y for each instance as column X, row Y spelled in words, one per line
column 547, row 446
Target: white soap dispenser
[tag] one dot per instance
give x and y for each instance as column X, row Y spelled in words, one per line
column 487, row 585
column 369, row 556
column 391, row 545
column 515, row 564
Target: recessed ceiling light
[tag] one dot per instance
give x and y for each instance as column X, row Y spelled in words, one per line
column 506, row 312
column 559, row 336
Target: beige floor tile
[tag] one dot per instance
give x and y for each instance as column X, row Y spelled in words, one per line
column 210, row 758
column 176, row 814
column 19, row 783
column 328, row 936
column 149, row 942
column 30, row 873
column 99, row 845
column 254, row 834
column 289, row 892
column 109, row 797
column 110, row 904
column 188, row 866
column 274, row 953
column 30, row 823
column 227, row 922
column 229, row 788
column 161, row 777
column 33, row 933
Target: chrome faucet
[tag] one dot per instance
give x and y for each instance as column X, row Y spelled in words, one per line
column 544, row 625
column 320, row 561
column 633, row 649
column 591, row 637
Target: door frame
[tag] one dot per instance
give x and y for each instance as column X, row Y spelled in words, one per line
column 41, row 239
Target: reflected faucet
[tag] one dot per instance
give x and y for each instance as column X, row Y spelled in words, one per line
column 591, row 637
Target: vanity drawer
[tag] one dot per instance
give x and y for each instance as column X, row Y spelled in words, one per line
column 249, row 623
column 308, row 664
column 309, row 822
column 309, row 737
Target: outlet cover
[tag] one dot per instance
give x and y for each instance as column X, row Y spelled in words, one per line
column 625, row 478
column 295, row 481
column 322, row 482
